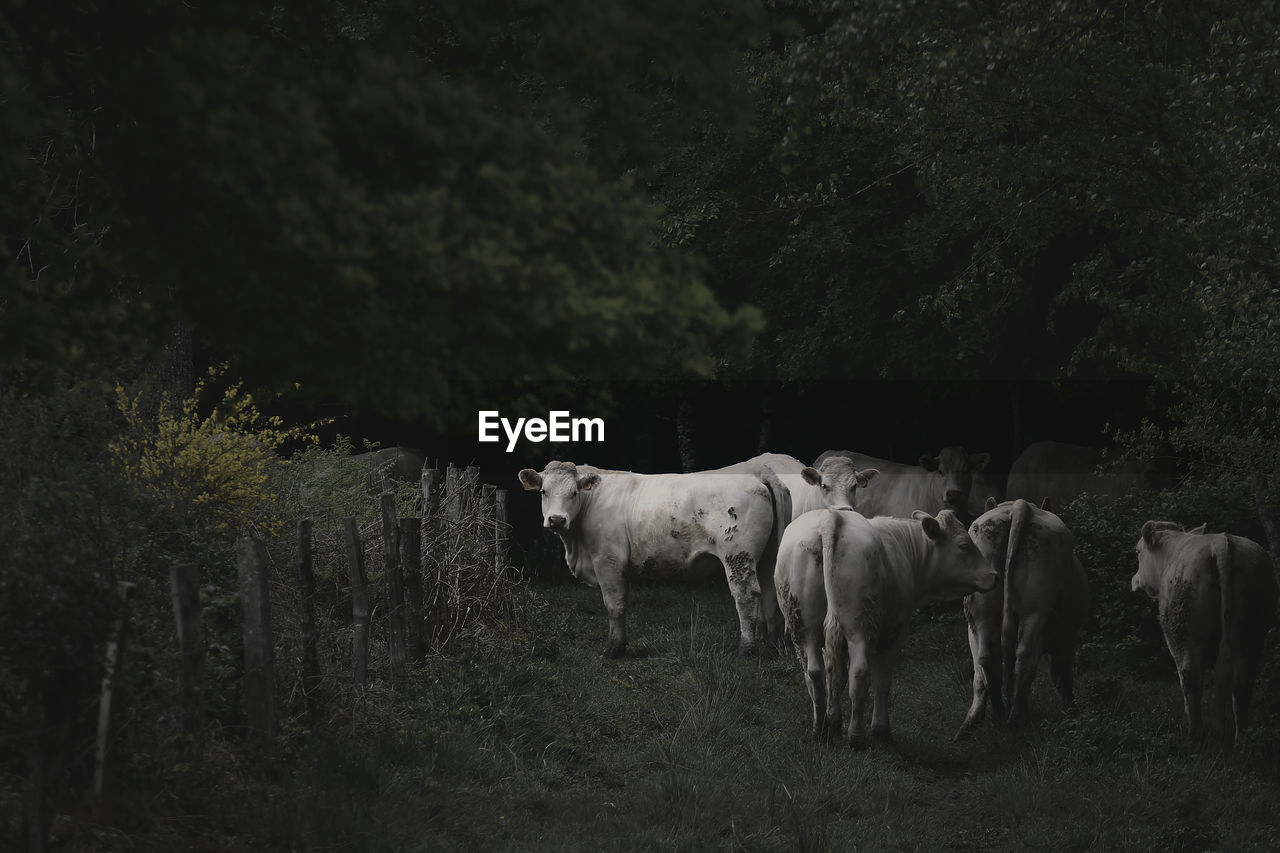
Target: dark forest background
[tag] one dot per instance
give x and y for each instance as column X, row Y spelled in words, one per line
column 882, row 225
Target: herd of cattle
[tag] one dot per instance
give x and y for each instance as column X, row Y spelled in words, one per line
column 840, row 553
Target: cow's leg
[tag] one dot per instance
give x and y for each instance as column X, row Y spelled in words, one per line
column 1062, row 671
column 1029, row 649
column 613, row 589
column 771, row 622
column 881, row 681
column 740, row 569
column 815, row 680
column 859, row 687
column 1189, row 675
column 978, row 708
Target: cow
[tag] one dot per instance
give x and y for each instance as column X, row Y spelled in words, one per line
column 392, row 463
column 1217, row 599
column 938, row 482
column 614, row 524
column 833, row 484
column 1037, row 610
column 1061, row 472
column 847, row 586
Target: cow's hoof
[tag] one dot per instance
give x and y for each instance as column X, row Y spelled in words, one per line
column 882, row 734
column 965, row 732
column 614, row 652
column 747, row 650
column 858, row 743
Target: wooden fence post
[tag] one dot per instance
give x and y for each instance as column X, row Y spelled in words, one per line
column 395, row 589
column 115, row 654
column 411, row 572
column 471, row 490
column 359, row 606
column 255, row 607
column 500, row 529
column 184, row 586
column 312, row 678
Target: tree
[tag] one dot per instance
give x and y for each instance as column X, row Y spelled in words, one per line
column 369, row 199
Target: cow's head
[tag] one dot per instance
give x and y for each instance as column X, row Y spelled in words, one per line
column 955, row 566
column 839, row 481
column 954, row 467
column 1150, row 555
column 562, row 486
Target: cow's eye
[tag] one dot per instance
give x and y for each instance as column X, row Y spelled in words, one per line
column 542, row 492
column 825, row 487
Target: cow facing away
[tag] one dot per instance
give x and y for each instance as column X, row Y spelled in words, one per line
column 614, row 524
column 847, row 586
column 938, row 482
column 1061, row 472
column 1217, row 598
column 834, row 484
column 1037, row 610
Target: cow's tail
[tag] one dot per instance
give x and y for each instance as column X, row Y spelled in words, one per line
column 1019, row 521
column 836, row 648
column 781, row 497
column 1228, row 638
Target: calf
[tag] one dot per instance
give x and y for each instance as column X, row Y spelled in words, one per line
column 1217, row 596
column 847, row 587
column 1038, row 610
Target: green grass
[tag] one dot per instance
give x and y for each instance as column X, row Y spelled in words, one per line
column 525, row 739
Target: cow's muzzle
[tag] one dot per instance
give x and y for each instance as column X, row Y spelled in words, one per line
column 557, row 523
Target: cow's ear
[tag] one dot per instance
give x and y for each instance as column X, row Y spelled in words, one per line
column 990, row 504
column 1150, row 534
column 932, row 528
column 530, row 479
column 811, row 476
column 929, row 463
column 866, row 475
column 588, row 481
column 1047, row 504
column 979, row 461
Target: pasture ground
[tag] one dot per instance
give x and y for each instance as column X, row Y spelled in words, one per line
column 525, row 739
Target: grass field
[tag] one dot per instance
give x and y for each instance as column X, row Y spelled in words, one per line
column 525, row 739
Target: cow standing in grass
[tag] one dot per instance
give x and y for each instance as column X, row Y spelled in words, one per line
column 1217, row 596
column 614, row 524
column 847, row 586
column 1038, row 610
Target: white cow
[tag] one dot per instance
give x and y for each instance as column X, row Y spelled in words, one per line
column 938, row 482
column 1038, row 610
column 831, row 485
column 847, row 586
column 616, row 523
column 1217, row 597
column 1061, row 472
